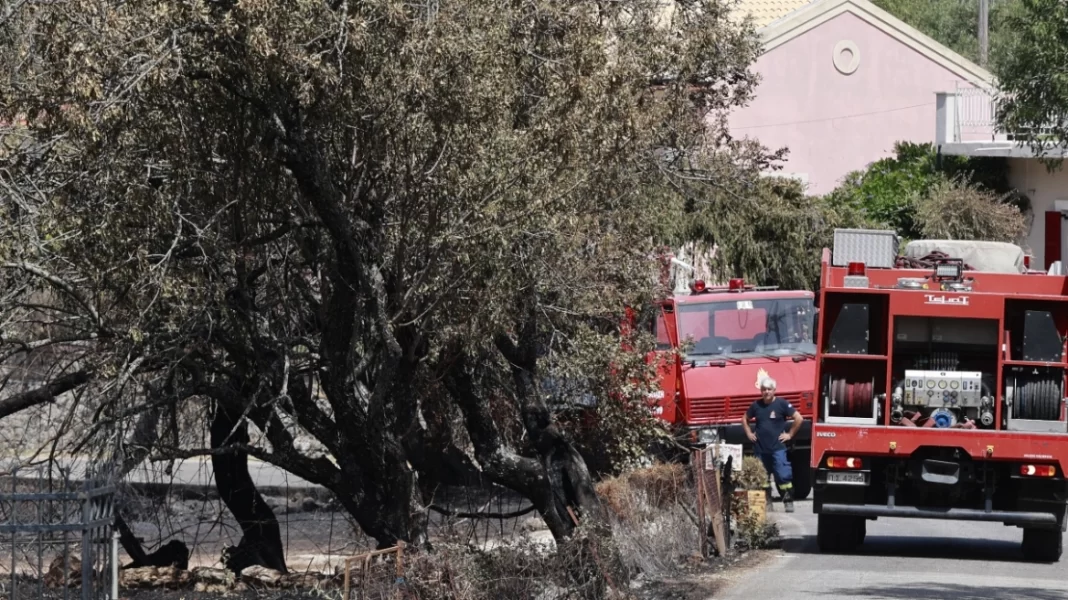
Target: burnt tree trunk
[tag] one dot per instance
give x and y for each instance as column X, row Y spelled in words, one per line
column 571, row 499
column 372, row 479
column 261, row 539
column 570, row 486
column 173, row 553
column 386, row 500
column 556, row 481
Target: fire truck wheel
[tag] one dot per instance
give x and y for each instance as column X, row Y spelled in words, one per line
column 799, row 463
column 1042, row 545
column 837, row 533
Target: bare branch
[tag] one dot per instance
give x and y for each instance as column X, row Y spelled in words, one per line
column 46, row 393
column 62, row 285
column 482, row 515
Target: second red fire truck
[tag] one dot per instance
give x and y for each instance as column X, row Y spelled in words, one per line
column 728, row 338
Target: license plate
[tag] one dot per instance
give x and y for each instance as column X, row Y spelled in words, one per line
column 849, row 478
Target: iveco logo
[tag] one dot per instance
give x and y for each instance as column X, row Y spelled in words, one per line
column 829, row 434
column 944, row 299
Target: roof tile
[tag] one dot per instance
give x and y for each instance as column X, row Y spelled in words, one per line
column 766, row 11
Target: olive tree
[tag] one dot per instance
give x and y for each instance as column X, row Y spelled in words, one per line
column 360, row 237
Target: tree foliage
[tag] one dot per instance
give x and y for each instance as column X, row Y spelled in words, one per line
column 1034, row 90
column 769, row 232
column 889, row 191
column 955, row 24
column 361, row 236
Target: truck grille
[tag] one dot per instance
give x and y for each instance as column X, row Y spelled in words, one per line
column 719, row 410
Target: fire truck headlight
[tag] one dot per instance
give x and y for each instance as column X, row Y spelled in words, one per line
column 706, row 435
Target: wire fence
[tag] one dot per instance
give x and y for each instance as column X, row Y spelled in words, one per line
column 163, row 502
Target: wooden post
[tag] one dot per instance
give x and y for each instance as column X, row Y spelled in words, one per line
column 699, row 481
column 397, row 592
column 365, row 575
column 348, row 573
column 715, row 508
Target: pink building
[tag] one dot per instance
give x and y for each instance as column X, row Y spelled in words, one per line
column 841, row 82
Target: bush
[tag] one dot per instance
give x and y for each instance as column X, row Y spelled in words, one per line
column 958, row 209
column 890, row 191
column 756, row 534
column 753, row 475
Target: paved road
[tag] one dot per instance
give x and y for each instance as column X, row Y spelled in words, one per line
column 902, row 559
column 192, row 472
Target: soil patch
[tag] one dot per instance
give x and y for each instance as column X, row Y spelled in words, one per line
column 699, row 580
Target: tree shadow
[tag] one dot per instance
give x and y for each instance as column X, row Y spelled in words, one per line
column 948, row 591
column 920, row 547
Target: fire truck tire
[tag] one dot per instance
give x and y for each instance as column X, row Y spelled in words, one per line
column 837, row 533
column 799, row 464
column 1042, row 545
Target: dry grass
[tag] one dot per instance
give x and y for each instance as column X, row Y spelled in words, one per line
column 651, row 523
column 581, row 570
column 659, row 486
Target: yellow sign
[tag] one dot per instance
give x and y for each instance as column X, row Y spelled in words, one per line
column 761, row 374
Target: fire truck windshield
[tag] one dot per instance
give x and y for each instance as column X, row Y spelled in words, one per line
column 740, row 328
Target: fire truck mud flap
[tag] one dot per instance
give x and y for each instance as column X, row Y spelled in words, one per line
column 1029, row 519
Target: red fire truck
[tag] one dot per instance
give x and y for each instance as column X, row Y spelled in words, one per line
column 941, row 389
column 729, row 338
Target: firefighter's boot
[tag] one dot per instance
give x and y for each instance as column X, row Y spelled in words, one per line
column 769, row 504
column 788, row 497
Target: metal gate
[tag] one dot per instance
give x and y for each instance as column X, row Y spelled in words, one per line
column 56, row 536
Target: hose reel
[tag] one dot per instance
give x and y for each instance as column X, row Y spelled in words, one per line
column 1035, row 399
column 850, row 398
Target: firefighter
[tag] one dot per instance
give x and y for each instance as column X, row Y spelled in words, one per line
column 770, row 437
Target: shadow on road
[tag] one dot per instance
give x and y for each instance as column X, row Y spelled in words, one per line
column 920, row 547
column 938, row 591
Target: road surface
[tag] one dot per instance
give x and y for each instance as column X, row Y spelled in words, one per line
column 901, row 559
column 196, row 472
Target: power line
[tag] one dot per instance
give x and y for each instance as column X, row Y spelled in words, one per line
column 851, row 116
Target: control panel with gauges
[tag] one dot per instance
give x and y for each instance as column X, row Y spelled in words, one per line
column 943, row 388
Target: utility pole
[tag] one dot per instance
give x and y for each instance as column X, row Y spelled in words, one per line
column 984, row 32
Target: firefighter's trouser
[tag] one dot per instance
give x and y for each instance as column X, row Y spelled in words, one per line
column 776, row 463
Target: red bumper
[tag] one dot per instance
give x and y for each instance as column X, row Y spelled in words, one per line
column 1048, row 448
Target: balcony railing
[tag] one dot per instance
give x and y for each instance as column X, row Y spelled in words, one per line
column 969, row 115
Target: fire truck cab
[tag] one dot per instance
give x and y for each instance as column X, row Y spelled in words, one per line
column 716, row 343
column 941, row 389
